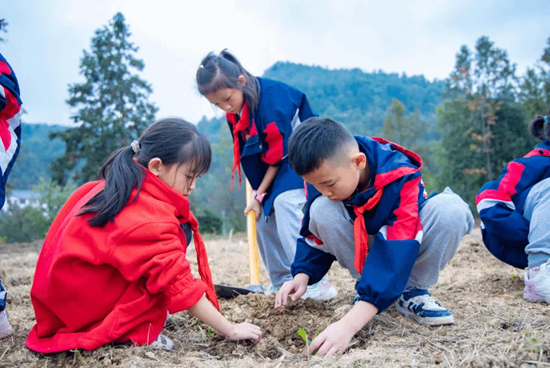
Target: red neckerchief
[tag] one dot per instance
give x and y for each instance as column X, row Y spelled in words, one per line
column 238, row 125
column 360, row 230
column 163, row 192
column 202, row 261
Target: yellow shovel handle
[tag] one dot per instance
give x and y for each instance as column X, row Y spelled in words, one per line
column 253, row 256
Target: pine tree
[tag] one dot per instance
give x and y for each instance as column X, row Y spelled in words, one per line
column 535, row 87
column 3, row 29
column 481, row 124
column 112, row 103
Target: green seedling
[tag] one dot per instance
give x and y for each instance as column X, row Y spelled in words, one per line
column 210, row 331
column 79, row 356
column 302, row 333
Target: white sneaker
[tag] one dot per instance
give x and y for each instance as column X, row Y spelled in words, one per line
column 162, row 343
column 419, row 305
column 272, row 289
column 321, row 291
column 537, row 283
column 5, row 327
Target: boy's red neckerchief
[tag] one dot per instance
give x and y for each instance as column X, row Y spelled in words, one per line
column 360, row 231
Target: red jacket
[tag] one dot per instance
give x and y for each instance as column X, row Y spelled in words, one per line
column 94, row 285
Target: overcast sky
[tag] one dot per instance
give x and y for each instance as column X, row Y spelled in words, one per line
column 46, row 39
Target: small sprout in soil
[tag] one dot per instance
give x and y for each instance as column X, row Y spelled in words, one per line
column 512, row 276
column 79, row 356
column 210, row 331
column 302, row 333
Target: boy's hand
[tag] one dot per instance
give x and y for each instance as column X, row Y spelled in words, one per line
column 253, row 205
column 245, row 331
column 297, row 286
column 333, row 340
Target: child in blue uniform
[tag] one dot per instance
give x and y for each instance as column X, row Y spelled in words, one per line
column 10, row 141
column 371, row 214
column 514, row 211
column 262, row 114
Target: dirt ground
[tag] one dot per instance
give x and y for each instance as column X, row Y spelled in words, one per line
column 494, row 326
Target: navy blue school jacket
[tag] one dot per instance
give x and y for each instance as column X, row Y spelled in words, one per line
column 500, row 205
column 10, row 123
column 394, row 199
column 280, row 109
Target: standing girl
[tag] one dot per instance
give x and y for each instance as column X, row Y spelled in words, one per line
column 113, row 263
column 262, row 114
column 514, row 211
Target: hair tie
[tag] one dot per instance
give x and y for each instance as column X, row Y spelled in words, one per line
column 136, row 147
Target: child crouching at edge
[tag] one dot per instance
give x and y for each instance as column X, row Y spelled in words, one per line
column 514, row 211
column 370, row 187
column 113, row 264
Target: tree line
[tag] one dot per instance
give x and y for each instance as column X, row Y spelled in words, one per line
column 466, row 128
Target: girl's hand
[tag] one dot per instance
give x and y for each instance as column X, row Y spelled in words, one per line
column 333, row 340
column 297, row 286
column 245, row 331
column 253, row 205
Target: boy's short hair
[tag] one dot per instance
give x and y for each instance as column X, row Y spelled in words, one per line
column 316, row 140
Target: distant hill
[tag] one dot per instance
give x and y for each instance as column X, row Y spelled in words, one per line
column 356, row 98
column 36, row 154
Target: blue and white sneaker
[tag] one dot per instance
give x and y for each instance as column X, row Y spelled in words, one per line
column 419, row 305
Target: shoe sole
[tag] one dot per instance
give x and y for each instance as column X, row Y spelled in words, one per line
column 331, row 295
column 536, row 298
column 431, row 321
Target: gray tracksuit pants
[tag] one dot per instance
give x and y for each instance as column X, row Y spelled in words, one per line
column 445, row 219
column 278, row 236
column 537, row 211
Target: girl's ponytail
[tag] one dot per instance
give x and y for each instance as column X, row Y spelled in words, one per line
column 223, row 71
column 538, row 128
column 121, row 176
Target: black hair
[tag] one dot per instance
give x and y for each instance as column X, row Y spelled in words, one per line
column 316, row 140
column 223, row 71
column 173, row 140
column 538, row 128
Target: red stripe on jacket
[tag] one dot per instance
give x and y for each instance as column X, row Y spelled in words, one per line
column 506, row 187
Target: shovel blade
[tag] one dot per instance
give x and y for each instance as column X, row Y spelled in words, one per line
column 228, row 292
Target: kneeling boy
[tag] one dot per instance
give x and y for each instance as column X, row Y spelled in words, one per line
column 370, row 187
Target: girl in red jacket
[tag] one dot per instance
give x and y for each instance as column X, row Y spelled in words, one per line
column 113, row 263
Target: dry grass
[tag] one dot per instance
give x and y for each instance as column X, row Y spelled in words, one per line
column 494, row 326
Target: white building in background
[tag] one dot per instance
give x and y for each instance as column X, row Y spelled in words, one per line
column 21, row 198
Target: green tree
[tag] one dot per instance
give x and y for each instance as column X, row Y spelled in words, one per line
column 212, row 192
column 23, row 225
column 405, row 129
column 53, row 196
column 3, row 29
column 481, row 124
column 32, row 223
column 534, row 92
column 113, row 107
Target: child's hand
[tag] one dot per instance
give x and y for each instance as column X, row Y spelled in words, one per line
column 333, row 340
column 297, row 286
column 253, row 205
column 245, row 331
